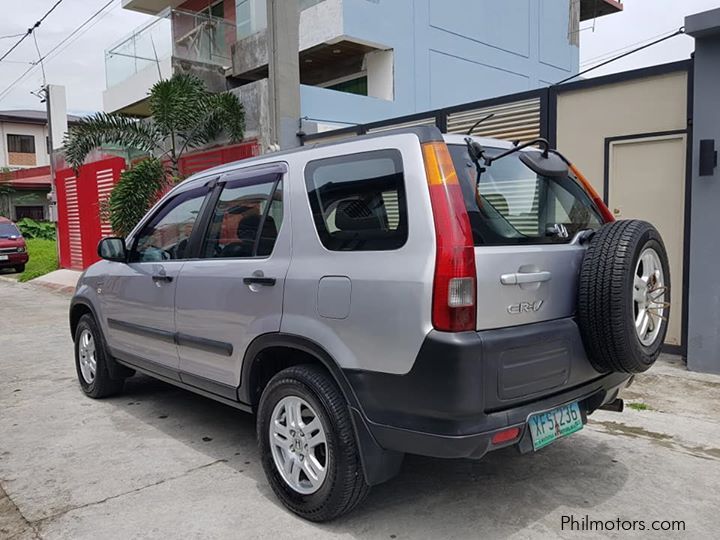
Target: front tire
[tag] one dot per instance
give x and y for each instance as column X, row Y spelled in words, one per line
column 308, row 446
column 91, row 361
column 20, row 268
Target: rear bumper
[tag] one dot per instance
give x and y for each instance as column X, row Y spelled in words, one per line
column 465, row 387
column 14, row 259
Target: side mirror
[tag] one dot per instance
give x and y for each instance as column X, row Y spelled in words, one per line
column 545, row 165
column 112, row 249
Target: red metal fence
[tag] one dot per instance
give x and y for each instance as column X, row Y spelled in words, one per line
column 80, row 198
column 79, row 201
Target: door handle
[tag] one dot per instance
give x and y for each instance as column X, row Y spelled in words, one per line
column 162, row 277
column 257, row 280
column 518, row 278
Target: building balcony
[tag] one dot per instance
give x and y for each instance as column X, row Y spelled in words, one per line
column 177, row 41
column 591, row 9
column 330, row 56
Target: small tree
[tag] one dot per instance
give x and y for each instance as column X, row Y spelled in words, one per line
column 185, row 115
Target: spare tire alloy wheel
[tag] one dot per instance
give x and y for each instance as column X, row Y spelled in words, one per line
column 298, row 444
column 649, row 297
column 623, row 297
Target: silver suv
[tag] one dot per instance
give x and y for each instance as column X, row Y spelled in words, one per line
column 408, row 292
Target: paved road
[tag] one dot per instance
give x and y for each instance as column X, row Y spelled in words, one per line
column 159, row 462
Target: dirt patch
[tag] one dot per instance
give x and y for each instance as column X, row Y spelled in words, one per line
column 618, row 428
column 12, row 522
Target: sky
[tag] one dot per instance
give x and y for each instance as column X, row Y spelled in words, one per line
column 81, row 65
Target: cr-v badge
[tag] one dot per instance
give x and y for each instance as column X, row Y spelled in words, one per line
column 525, row 307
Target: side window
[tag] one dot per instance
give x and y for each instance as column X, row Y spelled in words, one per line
column 165, row 237
column 246, row 221
column 358, row 201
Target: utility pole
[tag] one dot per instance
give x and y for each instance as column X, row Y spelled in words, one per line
column 283, row 41
column 56, row 110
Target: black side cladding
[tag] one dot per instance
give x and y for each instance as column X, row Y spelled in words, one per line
column 605, row 311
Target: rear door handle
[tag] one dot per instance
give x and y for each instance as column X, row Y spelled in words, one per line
column 525, row 277
column 162, row 277
column 257, row 280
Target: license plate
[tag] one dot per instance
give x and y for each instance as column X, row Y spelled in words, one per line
column 4, row 257
column 551, row 425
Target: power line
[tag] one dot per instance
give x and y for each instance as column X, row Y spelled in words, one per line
column 12, row 35
column 40, row 61
column 681, row 30
column 57, row 48
column 31, row 30
column 609, row 54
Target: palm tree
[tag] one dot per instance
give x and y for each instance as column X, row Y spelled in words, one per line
column 184, row 115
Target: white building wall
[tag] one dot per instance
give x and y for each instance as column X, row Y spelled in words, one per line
column 38, row 131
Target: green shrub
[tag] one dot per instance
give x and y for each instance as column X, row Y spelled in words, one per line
column 30, row 228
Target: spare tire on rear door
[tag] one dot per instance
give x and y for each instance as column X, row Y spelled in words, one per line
column 623, row 297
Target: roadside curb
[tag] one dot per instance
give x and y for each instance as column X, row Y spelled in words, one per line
column 52, row 287
column 55, row 287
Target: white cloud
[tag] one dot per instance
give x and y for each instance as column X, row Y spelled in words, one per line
column 80, row 66
column 639, row 21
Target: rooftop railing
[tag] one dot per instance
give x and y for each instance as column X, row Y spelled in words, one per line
column 180, row 34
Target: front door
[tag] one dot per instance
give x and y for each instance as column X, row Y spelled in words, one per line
column 647, row 181
column 233, row 291
column 139, row 297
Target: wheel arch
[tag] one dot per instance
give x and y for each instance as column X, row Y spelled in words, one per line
column 309, row 352
column 78, row 308
column 378, row 464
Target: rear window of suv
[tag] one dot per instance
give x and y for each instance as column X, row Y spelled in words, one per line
column 513, row 205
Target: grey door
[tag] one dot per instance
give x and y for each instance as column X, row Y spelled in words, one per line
column 233, row 291
column 139, row 297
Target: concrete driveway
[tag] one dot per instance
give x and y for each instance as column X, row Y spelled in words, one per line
column 158, row 462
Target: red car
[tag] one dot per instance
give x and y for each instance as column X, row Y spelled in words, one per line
column 13, row 251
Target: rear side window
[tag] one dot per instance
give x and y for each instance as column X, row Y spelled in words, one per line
column 513, row 205
column 358, row 201
column 246, row 221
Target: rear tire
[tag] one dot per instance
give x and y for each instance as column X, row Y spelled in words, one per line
column 623, row 297
column 343, row 485
column 91, row 361
column 19, row 269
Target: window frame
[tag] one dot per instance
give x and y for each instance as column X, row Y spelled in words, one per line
column 313, row 165
column 20, row 136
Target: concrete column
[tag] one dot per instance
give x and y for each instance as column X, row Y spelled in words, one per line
column 284, row 71
column 704, row 283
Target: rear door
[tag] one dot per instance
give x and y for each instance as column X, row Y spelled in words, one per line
column 523, row 226
column 233, row 291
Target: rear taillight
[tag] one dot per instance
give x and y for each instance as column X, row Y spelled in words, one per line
column 604, row 210
column 453, row 308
